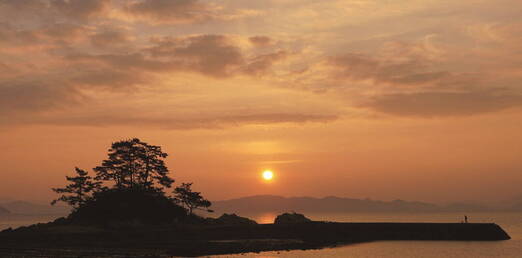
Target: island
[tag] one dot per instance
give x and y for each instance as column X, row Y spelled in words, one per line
column 125, row 210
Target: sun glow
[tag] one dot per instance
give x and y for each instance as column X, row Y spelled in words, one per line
column 268, row 175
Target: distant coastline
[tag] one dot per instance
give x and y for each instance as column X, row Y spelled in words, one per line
column 4, row 211
column 33, row 209
column 277, row 204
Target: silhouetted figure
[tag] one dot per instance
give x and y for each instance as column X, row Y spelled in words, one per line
column 465, row 219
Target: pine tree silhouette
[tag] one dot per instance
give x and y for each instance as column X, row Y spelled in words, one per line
column 78, row 191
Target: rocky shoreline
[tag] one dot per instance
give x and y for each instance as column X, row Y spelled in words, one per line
column 53, row 239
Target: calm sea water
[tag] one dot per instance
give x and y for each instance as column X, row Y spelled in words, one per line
column 510, row 222
column 17, row 220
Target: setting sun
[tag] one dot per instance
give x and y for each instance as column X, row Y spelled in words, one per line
column 268, row 175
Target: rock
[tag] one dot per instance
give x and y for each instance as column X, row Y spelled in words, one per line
column 233, row 219
column 288, row 218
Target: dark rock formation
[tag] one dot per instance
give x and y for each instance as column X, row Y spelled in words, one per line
column 289, row 218
column 232, row 219
column 122, row 207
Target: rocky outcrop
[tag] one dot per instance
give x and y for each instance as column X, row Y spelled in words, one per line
column 232, row 219
column 289, row 218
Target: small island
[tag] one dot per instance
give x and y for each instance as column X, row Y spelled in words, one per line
column 126, row 208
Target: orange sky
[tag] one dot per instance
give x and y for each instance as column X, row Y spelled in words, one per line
column 414, row 99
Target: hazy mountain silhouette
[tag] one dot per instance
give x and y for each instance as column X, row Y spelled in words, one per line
column 466, row 206
column 29, row 208
column 510, row 204
column 4, row 211
column 516, row 204
column 271, row 203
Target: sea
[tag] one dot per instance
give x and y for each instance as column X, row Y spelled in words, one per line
column 511, row 222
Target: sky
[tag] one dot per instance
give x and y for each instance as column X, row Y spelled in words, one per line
column 415, row 99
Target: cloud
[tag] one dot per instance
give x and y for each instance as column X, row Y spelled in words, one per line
column 260, row 41
column 8, row 8
column 112, row 37
column 213, row 55
column 32, row 92
column 84, row 101
column 12, row 36
column 53, row 10
column 62, row 82
column 416, row 79
column 4, row 69
column 51, row 35
column 396, row 63
column 80, row 9
column 56, row 52
column 194, row 122
column 262, row 63
column 63, row 31
column 183, row 11
column 217, row 56
column 109, row 79
column 135, row 61
column 172, row 11
column 59, row 93
column 440, row 104
column 35, row 96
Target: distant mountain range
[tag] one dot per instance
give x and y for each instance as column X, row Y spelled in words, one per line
column 4, row 211
column 517, row 206
column 29, row 208
column 279, row 204
column 271, row 203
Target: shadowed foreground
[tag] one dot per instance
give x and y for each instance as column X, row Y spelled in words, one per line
column 67, row 240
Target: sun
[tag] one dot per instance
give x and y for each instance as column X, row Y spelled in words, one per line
column 268, row 175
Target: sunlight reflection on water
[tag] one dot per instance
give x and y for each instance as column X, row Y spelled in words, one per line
column 265, row 218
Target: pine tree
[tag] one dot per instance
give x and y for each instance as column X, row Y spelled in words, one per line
column 78, row 191
column 191, row 200
column 133, row 163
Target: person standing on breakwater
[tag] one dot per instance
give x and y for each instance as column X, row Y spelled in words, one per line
column 465, row 219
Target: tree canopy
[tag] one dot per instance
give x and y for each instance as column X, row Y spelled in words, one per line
column 133, row 163
column 78, row 191
column 129, row 185
column 190, row 199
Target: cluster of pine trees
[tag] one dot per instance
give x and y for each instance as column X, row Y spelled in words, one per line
column 132, row 166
